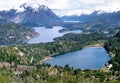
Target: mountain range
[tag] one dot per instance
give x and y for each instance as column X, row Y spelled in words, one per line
column 41, row 16
column 96, row 15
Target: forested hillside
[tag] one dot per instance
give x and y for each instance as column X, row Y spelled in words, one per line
column 15, row 34
column 22, row 63
column 113, row 46
column 69, row 42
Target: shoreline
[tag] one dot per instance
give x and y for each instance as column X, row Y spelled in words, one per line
column 94, row 45
column 51, row 57
column 45, row 58
column 111, row 54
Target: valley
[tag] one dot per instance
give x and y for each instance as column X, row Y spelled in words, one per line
column 37, row 46
column 30, row 56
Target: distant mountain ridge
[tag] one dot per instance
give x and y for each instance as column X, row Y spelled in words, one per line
column 96, row 15
column 41, row 16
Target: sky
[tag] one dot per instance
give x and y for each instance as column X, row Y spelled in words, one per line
column 66, row 7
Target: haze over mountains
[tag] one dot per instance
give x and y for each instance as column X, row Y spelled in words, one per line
column 96, row 15
column 73, row 47
column 43, row 16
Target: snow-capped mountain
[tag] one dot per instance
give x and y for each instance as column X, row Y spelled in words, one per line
column 31, row 16
column 96, row 15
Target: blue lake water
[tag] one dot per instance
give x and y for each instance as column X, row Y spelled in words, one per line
column 87, row 58
column 48, row 34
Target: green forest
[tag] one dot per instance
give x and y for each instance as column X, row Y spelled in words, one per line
column 23, row 62
column 45, row 73
column 113, row 46
column 12, row 33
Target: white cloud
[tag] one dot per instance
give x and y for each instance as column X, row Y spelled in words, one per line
column 66, row 7
column 8, row 4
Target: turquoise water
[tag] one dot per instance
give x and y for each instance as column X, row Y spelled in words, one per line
column 87, row 58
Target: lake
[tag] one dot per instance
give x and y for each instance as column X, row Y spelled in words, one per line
column 87, row 58
column 48, row 34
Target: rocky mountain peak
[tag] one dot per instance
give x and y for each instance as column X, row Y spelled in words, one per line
column 34, row 7
column 31, row 15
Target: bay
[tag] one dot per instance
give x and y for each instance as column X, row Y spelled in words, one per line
column 87, row 58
